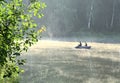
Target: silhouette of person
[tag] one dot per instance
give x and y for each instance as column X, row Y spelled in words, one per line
column 85, row 44
column 80, row 44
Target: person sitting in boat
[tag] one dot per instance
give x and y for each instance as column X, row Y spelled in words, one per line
column 80, row 44
column 86, row 44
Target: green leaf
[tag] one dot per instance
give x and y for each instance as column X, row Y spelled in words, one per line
column 17, row 54
column 17, row 33
column 22, row 17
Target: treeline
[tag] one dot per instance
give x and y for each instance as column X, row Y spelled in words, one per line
column 67, row 16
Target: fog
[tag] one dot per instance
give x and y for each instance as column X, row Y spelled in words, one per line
column 71, row 21
column 81, row 18
column 60, row 62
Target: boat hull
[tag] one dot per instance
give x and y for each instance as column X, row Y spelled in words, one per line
column 83, row 47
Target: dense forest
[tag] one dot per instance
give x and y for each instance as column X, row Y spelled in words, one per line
column 66, row 18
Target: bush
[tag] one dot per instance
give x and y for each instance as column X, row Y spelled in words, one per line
column 17, row 32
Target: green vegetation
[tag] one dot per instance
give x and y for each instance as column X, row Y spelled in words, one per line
column 17, row 32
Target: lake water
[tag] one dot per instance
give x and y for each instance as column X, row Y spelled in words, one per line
column 60, row 62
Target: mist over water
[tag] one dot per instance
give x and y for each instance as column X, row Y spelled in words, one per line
column 96, row 22
column 59, row 62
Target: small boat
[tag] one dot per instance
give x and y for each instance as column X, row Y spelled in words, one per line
column 83, row 47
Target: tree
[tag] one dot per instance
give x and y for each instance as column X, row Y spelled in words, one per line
column 17, row 32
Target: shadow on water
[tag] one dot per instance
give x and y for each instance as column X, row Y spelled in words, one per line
column 105, row 67
column 62, row 70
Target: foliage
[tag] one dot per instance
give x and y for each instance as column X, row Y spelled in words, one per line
column 17, row 32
